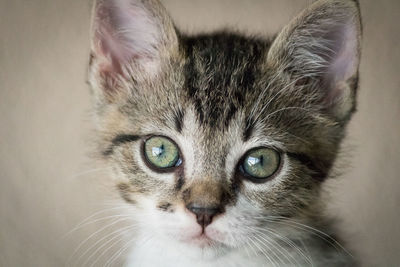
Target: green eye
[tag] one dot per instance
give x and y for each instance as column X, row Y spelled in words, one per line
column 261, row 163
column 161, row 152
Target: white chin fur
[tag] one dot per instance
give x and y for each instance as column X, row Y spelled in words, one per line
column 170, row 254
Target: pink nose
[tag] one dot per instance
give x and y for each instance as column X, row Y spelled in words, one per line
column 204, row 215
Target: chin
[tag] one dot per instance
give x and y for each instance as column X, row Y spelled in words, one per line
column 202, row 246
column 162, row 250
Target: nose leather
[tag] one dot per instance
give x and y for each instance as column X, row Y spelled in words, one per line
column 204, row 215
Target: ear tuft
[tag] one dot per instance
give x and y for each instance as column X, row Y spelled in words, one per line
column 323, row 45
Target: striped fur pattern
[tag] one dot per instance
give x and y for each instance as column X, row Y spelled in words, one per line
column 217, row 96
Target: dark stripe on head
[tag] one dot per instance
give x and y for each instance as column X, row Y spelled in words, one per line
column 199, row 110
column 179, row 120
column 191, row 75
column 319, row 168
column 248, row 129
column 118, row 140
column 231, row 112
column 220, row 71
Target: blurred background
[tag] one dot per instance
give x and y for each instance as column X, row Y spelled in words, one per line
column 49, row 183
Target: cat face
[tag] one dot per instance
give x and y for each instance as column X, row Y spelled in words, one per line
column 215, row 137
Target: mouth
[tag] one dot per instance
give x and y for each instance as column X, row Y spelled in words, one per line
column 202, row 241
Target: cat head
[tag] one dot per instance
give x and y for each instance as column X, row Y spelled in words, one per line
column 212, row 136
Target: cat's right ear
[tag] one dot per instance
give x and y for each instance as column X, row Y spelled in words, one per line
column 131, row 39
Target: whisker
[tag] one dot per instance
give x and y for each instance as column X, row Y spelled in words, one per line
column 252, row 229
column 251, row 247
column 263, row 252
column 84, row 222
column 290, row 243
column 101, row 219
column 307, row 228
column 94, row 234
column 245, row 247
column 114, row 243
column 269, row 248
column 118, row 253
column 317, row 232
column 117, row 233
column 282, row 248
column 119, row 240
column 123, row 249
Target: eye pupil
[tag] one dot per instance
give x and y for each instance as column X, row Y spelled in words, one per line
column 253, row 161
column 161, row 152
column 260, row 163
column 157, row 151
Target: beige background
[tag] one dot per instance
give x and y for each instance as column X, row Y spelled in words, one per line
column 45, row 125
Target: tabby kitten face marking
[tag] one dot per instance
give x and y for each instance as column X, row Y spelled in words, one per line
column 220, row 142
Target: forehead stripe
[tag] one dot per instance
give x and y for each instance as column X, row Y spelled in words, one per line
column 179, row 115
column 118, row 140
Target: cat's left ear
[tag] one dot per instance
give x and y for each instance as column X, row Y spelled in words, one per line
column 321, row 49
column 130, row 40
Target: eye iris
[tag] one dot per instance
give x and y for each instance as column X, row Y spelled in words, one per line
column 261, row 163
column 161, row 152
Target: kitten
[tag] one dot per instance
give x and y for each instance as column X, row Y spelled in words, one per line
column 219, row 143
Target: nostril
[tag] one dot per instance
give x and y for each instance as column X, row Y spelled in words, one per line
column 204, row 215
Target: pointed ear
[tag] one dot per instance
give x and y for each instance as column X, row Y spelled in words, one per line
column 321, row 49
column 130, row 39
